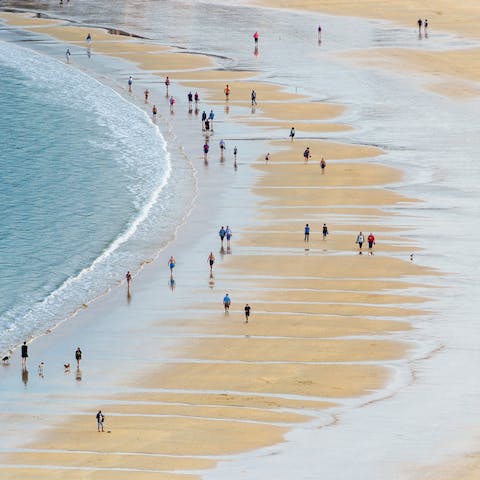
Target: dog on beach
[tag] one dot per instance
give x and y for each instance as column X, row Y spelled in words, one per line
column 6, row 359
column 67, row 367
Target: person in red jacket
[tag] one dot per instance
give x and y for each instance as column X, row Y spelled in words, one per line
column 371, row 241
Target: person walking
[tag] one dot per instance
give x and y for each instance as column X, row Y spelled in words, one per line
column 228, row 235
column 306, row 237
column 130, row 83
column 419, row 22
column 206, row 148
column 67, row 55
column 371, row 242
column 425, row 27
column 89, row 39
column 190, row 98
column 100, row 419
column 325, row 231
column 196, row 97
column 24, row 353
column 267, row 157
column 323, row 165
column 221, row 234
column 171, row 264
column 307, row 154
column 226, row 302
column 255, row 38
column 227, row 91
column 235, row 150
column 172, row 103
column 292, row 133
column 253, row 97
column 222, row 146
column 204, row 118
column 167, row 84
column 247, row 312
column 211, row 261
column 359, row 241
column 146, row 93
column 78, row 356
column 319, row 30
column 211, row 116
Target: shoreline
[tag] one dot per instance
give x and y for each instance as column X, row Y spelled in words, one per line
column 246, row 244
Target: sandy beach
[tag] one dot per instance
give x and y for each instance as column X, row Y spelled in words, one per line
column 327, row 323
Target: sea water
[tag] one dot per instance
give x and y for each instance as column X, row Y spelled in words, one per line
column 84, row 191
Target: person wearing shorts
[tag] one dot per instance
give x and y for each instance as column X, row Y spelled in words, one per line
column 100, row 419
column 211, row 261
column 171, row 264
column 226, row 302
column 247, row 312
column 306, row 237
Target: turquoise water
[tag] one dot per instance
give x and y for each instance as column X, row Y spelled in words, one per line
column 81, row 180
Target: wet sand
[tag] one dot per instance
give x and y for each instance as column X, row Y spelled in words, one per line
column 233, row 387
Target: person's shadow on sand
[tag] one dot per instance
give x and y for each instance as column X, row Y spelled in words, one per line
column 25, row 376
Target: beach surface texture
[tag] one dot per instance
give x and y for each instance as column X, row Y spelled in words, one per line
column 311, row 376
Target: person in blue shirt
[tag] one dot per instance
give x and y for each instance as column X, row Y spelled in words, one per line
column 226, row 302
column 211, row 115
column 222, row 232
column 306, row 238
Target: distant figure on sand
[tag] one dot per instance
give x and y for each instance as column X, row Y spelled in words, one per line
column 227, row 91
column 24, row 353
column 425, row 27
column 324, row 231
column 247, row 312
column 171, row 264
column 306, row 237
column 172, row 103
column 204, row 117
column 211, row 261
column 255, row 38
column 206, row 148
column 167, row 83
column 130, row 82
column 267, row 157
column 196, row 97
column 323, row 164
column 67, row 55
column 307, row 154
column 359, row 241
column 146, row 93
column 89, row 39
column 419, row 22
column 319, row 33
column 128, row 277
column 154, row 110
column 211, row 116
column 226, row 302
column 253, row 96
column 371, row 241
column 292, row 133
column 228, row 235
column 221, row 234
column 222, row 146
column 100, row 419
column 78, row 356
column 235, row 152
column 190, row 97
